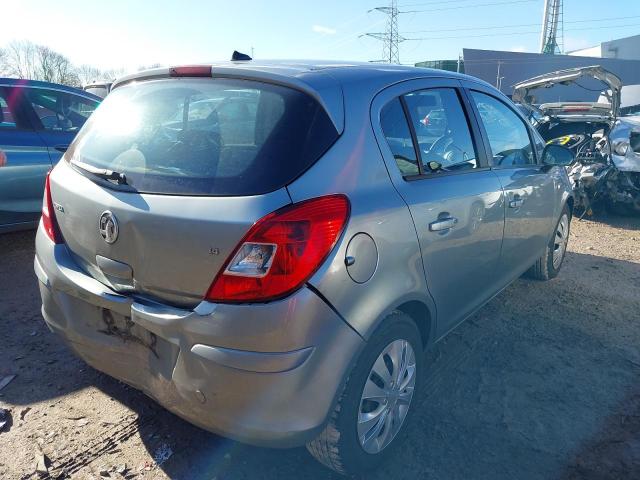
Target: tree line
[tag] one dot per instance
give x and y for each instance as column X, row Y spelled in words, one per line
column 28, row 60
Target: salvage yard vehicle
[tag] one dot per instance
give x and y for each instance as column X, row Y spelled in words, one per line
column 38, row 121
column 606, row 145
column 274, row 272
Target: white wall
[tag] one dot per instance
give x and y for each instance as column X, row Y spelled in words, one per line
column 588, row 52
column 624, row 48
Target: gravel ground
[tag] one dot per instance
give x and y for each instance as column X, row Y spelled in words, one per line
column 542, row 383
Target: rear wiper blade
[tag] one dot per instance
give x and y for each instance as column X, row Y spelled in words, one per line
column 110, row 175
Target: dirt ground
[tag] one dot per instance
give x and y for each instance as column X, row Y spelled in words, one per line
column 542, row 383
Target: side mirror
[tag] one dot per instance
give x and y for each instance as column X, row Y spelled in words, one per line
column 556, row 155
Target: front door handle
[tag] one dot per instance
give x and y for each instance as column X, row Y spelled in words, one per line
column 443, row 224
column 61, row 148
column 517, row 202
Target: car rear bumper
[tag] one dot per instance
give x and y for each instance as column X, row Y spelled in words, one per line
column 262, row 374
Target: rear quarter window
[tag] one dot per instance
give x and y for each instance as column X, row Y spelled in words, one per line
column 205, row 136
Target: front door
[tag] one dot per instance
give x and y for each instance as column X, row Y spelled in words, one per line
column 529, row 189
column 24, row 163
column 455, row 200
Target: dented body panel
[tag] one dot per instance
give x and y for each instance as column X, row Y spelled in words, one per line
column 226, row 369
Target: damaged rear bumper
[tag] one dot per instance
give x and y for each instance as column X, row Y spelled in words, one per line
column 262, row 374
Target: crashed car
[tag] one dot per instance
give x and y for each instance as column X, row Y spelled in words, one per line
column 606, row 145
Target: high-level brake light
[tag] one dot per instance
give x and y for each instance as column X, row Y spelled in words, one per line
column 190, row 71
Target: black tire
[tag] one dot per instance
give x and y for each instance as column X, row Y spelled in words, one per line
column 338, row 446
column 544, row 269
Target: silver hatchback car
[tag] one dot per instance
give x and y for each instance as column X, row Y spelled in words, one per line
column 267, row 249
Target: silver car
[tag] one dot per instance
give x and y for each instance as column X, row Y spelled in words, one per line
column 274, row 269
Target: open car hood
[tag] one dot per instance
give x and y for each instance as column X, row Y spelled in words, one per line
column 567, row 110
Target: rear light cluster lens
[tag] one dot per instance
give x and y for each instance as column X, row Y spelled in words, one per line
column 49, row 222
column 281, row 251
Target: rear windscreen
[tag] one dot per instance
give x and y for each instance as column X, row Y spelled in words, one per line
column 205, row 136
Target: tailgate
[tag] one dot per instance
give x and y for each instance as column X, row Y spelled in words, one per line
column 167, row 247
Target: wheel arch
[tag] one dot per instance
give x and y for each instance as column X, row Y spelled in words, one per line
column 421, row 316
column 419, row 309
column 570, row 202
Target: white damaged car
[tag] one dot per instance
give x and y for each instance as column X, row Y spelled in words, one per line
column 606, row 145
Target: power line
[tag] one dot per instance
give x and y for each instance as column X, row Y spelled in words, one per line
column 390, row 38
column 431, row 10
column 493, row 27
column 537, row 32
column 346, row 39
column 436, row 2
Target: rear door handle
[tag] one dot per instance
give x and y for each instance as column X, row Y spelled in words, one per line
column 61, row 148
column 443, row 224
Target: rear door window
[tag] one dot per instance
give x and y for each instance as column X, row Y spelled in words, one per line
column 60, row 111
column 396, row 131
column 434, row 135
column 205, row 136
column 442, row 130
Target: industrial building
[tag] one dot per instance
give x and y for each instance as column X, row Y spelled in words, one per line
column 503, row 69
column 627, row 48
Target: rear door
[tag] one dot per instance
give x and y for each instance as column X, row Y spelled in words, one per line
column 455, row 200
column 58, row 116
column 529, row 189
column 24, row 162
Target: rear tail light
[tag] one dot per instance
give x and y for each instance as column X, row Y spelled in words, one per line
column 281, row 251
column 49, row 222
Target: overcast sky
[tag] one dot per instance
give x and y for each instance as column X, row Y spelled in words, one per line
column 131, row 33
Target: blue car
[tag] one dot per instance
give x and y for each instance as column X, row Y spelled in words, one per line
column 38, row 121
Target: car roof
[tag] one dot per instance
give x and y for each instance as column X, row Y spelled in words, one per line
column 339, row 70
column 20, row 82
column 325, row 80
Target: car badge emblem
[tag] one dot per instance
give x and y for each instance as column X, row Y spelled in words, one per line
column 108, row 227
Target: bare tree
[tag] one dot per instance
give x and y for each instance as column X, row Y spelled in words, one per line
column 88, row 74
column 148, row 67
column 24, row 59
column 20, row 60
column 3, row 62
column 51, row 66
